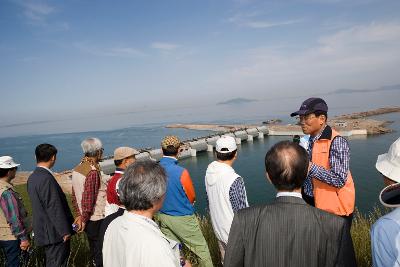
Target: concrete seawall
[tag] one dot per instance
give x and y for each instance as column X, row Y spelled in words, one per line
column 190, row 148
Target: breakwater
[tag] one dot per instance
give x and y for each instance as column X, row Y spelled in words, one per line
column 191, row 147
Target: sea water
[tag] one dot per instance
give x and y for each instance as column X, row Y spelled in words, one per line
column 250, row 165
column 250, row 162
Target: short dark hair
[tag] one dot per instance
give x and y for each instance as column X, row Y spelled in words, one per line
column 318, row 113
column 143, row 183
column 4, row 172
column 44, row 152
column 226, row 156
column 118, row 162
column 170, row 151
column 287, row 165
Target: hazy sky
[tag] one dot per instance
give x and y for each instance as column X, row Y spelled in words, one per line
column 60, row 59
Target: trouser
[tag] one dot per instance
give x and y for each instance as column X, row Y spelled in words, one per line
column 186, row 229
column 92, row 230
column 12, row 251
column 349, row 220
column 57, row 254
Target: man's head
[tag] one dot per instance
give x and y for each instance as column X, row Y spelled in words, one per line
column 143, row 186
column 124, row 156
column 313, row 114
column 46, row 153
column 170, row 145
column 93, row 148
column 226, row 148
column 8, row 168
column 286, row 164
column 388, row 164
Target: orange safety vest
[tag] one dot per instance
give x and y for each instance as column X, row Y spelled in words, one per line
column 339, row 201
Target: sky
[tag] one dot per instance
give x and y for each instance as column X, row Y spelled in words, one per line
column 68, row 59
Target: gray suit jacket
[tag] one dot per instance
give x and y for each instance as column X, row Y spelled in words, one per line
column 52, row 218
column 288, row 233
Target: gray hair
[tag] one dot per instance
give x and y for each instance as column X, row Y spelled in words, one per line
column 144, row 182
column 91, row 146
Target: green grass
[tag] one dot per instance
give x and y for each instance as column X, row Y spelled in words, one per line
column 79, row 257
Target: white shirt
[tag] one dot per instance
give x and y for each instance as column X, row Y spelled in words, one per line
column 289, row 194
column 50, row 171
column 219, row 179
column 134, row 240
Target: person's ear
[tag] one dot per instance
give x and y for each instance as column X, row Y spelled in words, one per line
column 269, row 179
column 321, row 119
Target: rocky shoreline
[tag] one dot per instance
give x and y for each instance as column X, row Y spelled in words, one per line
column 346, row 122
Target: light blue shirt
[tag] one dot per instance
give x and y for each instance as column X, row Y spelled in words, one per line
column 385, row 237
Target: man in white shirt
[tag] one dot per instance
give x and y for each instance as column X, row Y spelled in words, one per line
column 225, row 190
column 134, row 239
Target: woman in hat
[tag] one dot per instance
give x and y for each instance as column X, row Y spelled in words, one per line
column 385, row 233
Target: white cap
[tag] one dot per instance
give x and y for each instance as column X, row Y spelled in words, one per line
column 389, row 163
column 226, row 144
column 7, row 162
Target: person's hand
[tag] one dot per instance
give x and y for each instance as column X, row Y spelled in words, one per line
column 187, row 264
column 66, row 238
column 81, row 225
column 24, row 244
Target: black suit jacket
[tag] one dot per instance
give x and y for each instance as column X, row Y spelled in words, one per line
column 52, row 218
column 288, row 232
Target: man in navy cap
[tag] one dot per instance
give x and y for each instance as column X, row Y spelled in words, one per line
column 329, row 184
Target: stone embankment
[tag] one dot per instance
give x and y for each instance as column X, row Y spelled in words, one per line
column 349, row 124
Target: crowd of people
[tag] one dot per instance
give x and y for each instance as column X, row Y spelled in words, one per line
column 144, row 214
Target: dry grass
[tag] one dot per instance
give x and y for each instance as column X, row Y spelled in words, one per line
column 79, row 257
column 360, row 232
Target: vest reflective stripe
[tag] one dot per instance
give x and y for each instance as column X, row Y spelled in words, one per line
column 339, row 201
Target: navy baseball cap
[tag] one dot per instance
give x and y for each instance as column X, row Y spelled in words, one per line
column 310, row 106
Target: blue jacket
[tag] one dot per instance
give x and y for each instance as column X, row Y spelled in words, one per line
column 176, row 201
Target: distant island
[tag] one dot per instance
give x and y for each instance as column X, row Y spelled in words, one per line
column 235, row 101
column 382, row 88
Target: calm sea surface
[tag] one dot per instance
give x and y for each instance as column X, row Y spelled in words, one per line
column 250, row 163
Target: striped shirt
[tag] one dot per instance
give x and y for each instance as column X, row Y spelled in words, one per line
column 12, row 207
column 339, row 161
column 237, row 195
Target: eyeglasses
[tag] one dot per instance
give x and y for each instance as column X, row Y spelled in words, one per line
column 306, row 117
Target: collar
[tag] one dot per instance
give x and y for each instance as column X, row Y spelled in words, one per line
column 119, row 170
column 326, row 133
column 288, row 194
column 144, row 219
column 290, row 200
column 169, row 158
column 50, row 171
